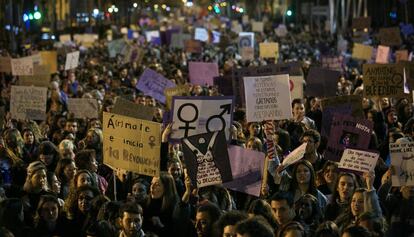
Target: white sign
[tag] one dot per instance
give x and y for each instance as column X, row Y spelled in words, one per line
column 201, row 34
column 257, row 26
column 201, row 114
column 267, row 97
column 83, row 107
column 22, row 66
column 296, row 86
column 216, row 37
column 28, row 102
column 357, row 160
column 72, row 60
column 295, row 156
column 149, row 35
column 402, row 160
column 246, row 39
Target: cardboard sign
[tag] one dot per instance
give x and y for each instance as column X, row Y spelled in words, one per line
column 357, row 160
column 361, row 51
column 182, row 90
column 5, row 64
column 131, row 144
column 178, row 39
column 402, row 160
column 65, row 38
column 128, row 108
column 201, row 34
column 385, row 80
column 22, row 66
column 361, row 23
column 154, row 84
column 247, row 53
column 335, row 63
column 295, row 156
column 401, row 55
column 193, row 46
column 390, row 36
column 266, row 98
column 247, row 170
column 201, row 114
column 383, row 53
column 28, row 102
column 269, row 50
column 207, row 159
column 246, row 40
column 41, row 77
column 49, row 58
column 202, row 73
column 347, row 132
column 133, row 54
column 257, row 26
column 322, row 82
column 83, row 107
column 72, row 60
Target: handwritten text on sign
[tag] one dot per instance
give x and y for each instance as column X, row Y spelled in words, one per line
column 132, row 144
column 402, row 159
column 357, row 160
column 22, row 66
column 28, row 102
column 72, row 60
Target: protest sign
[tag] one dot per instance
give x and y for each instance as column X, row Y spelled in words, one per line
column 401, row 55
column 247, row 53
column 86, row 40
column 5, row 64
column 115, row 47
column 281, row 30
column 178, row 39
column 347, row 132
column 130, row 109
column 322, row 82
column 182, row 90
column 383, row 53
column 201, row 114
column 83, row 107
column 202, row 73
column 359, row 161
column 193, row 46
column 361, row 51
column 385, row 80
column 72, row 60
column 28, row 102
column 65, row 38
column 296, row 87
column 40, row 77
column 390, row 36
column 22, row 66
column 49, row 58
column 346, row 105
column 402, row 161
column 333, row 62
column 207, row 159
column 361, row 23
column 131, row 144
column 257, row 26
column 295, row 156
column 246, row 40
column 216, row 37
column 269, row 50
column 247, row 170
column 154, row 84
column 266, row 98
column 201, row 34
column 245, row 19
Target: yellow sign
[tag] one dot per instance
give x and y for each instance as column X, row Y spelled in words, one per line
column 49, row 58
column 175, row 91
column 269, row 50
column 361, row 51
column 132, row 144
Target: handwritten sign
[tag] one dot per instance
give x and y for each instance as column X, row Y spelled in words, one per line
column 154, row 84
column 83, row 107
column 182, row 90
column 357, row 160
column 390, row 36
column 72, row 60
column 22, row 66
column 383, row 53
column 28, row 102
column 295, row 156
column 269, row 50
column 385, row 80
column 128, row 108
column 247, row 53
column 201, row 34
column 361, row 51
column 266, row 98
column 257, row 26
column 5, row 64
column 402, row 159
column 202, row 73
column 201, row 114
column 401, row 55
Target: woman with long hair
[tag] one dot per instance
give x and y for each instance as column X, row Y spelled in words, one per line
column 65, row 172
column 48, row 220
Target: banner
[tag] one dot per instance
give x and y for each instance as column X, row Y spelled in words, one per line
column 83, row 107
column 22, row 66
column 269, row 50
column 383, row 53
column 130, row 109
column 322, row 82
column 385, row 80
column 72, row 60
column 207, row 159
column 390, row 36
column 267, row 97
column 360, row 161
column 201, row 114
column 182, row 90
column 402, row 160
column 347, row 132
column 363, row 52
column 28, row 102
column 295, row 156
column 153, row 84
column 5, row 64
column 131, row 144
column 202, row 73
column 247, row 170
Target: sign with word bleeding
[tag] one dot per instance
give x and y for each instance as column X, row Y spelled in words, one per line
column 383, row 53
column 402, row 160
column 361, row 51
column 207, row 159
column 267, row 97
column 201, row 114
column 295, row 156
column 131, row 144
column 130, row 109
column 385, row 80
column 247, row 170
column 182, row 90
column 5, row 64
column 83, row 107
column 269, row 50
column 357, row 160
column 154, row 84
column 72, row 60
column 22, row 66
column 202, row 73
column 28, row 102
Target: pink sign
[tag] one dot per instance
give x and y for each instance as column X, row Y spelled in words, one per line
column 202, row 73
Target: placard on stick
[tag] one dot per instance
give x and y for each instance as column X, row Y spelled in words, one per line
column 385, row 80
column 357, row 160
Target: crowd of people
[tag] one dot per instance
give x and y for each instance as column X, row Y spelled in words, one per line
column 54, row 181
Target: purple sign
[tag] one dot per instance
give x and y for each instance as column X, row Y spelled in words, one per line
column 202, row 73
column 247, row 170
column 154, row 84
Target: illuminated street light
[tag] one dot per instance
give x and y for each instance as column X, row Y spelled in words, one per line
column 135, row 5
